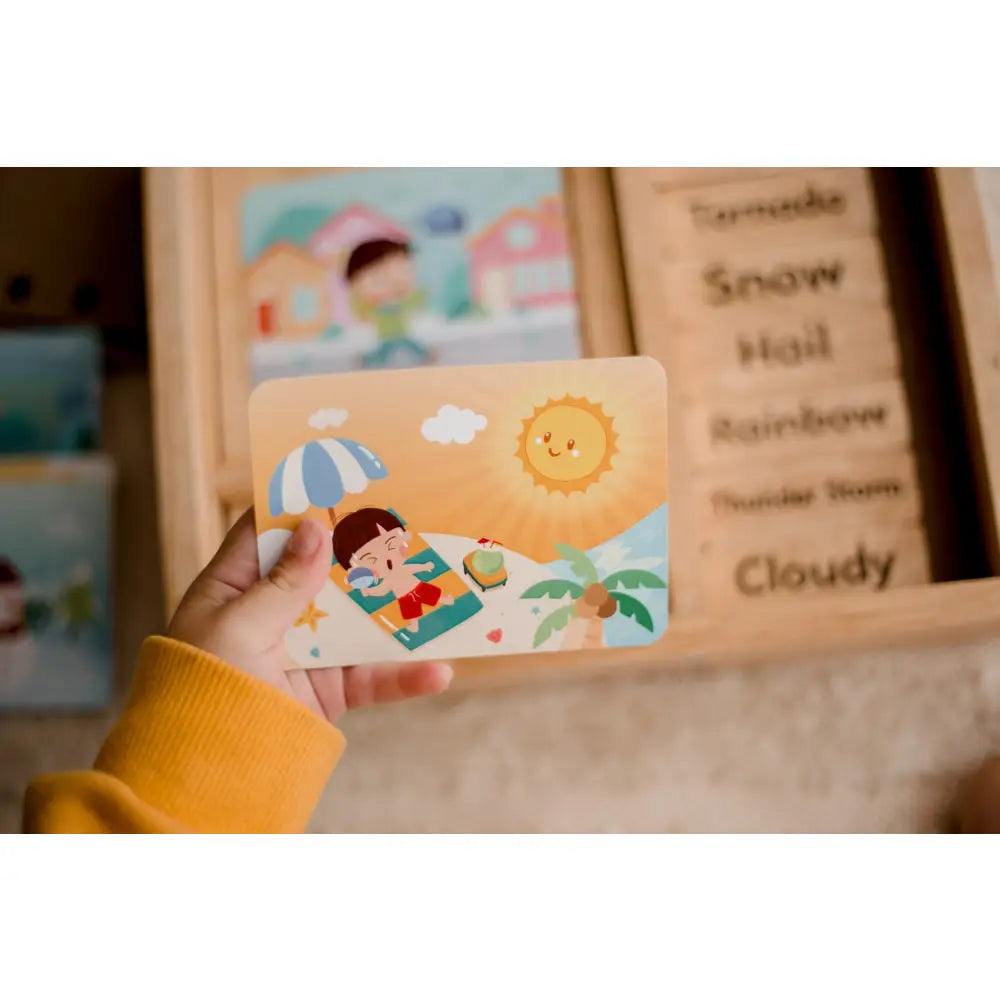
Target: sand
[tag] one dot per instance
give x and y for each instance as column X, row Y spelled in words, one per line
column 503, row 611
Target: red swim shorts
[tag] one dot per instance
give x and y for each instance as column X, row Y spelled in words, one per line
column 422, row 593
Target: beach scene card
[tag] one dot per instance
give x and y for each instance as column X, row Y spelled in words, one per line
column 406, row 267
column 55, row 596
column 474, row 511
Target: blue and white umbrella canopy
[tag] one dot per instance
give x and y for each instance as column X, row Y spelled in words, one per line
column 320, row 473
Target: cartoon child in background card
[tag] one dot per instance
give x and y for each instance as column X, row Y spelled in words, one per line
column 382, row 278
column 565, row 461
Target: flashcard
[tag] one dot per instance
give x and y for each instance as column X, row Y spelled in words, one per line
column 56, row 636
column 475, row 511
column 403, row 267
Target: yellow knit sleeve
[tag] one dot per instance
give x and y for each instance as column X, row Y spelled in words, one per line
column 201, row 747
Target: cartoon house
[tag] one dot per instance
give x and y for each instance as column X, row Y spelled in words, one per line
column 522, row 259
column 289, row 293
column 551, row 207
column 332, row 245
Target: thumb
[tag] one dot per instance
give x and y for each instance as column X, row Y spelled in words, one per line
column 272, row 604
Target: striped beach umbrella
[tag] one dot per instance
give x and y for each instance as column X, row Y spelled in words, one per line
column 320, row 473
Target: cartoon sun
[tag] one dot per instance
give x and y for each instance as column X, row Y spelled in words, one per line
column 567, row 444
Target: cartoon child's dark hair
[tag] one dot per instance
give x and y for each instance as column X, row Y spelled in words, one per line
column 366, row 254
column 354, row 531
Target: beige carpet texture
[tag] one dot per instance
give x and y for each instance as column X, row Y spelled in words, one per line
column 874, row 743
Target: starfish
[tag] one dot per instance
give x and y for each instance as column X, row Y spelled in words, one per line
column 310, row 616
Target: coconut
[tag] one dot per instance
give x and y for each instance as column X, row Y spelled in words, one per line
column 487, row 561
column 608, row 608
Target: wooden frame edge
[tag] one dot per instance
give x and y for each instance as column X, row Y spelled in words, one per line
column 602, row 295
column 179, row 272
column 974, row 277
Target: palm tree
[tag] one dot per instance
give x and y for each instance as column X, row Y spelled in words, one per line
column 593, row 601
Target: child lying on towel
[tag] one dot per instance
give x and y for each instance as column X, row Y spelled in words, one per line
column 378, row 540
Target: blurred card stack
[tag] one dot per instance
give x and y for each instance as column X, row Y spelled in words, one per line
column 766, row 296
column 55, row 523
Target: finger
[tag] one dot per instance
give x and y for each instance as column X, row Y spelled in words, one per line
column 374, row 685
column 328, row 686
column 272, row 604
column 231, row 571
column 302, row 690
column 234, row 568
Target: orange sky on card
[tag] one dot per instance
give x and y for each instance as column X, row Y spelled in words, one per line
column 481, row 488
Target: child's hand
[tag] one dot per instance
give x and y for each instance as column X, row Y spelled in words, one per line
column 232, row 613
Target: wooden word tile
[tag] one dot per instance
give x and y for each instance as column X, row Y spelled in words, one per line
column 827, row 558
column 768, row 275
column 813, row 206
column 849, row 419
column 782, row 497
column 663, row 179
column 764, row 349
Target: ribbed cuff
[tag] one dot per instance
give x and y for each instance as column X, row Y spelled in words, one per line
column 217, row 749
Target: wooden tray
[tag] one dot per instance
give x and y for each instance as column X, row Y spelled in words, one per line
column 201, row 382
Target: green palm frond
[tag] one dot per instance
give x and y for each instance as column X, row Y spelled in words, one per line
column 632, row 608
column 554, row 588
column 630, row 579
column 554, row 622
column 579, row 562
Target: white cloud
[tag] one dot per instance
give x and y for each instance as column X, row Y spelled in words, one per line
column 452, row 425
column 614, row 556
column 322, row 419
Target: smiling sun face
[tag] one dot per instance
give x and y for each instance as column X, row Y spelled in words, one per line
column 567, row 444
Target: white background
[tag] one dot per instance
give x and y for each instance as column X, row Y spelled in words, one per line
column 504, row 917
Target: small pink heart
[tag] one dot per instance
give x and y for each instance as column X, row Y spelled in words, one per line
column 496, row 635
